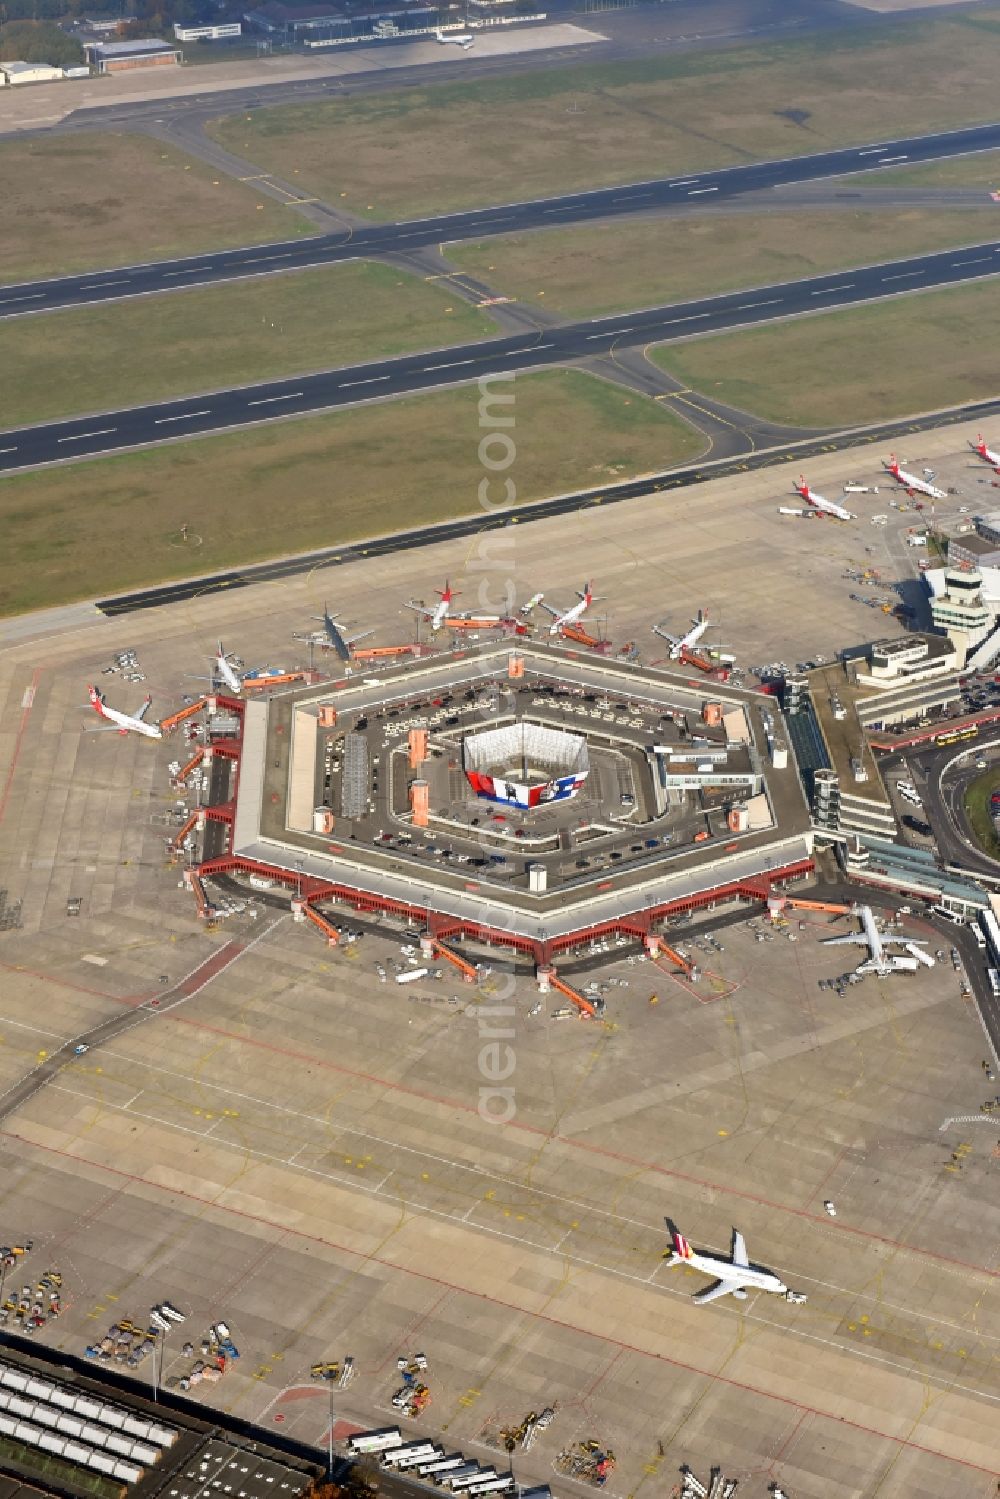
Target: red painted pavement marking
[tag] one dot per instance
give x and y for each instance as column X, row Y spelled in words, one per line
column 206, row 971
column 633, row 1162
column 520, row 1311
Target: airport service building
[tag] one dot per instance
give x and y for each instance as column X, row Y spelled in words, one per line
column 531, row 797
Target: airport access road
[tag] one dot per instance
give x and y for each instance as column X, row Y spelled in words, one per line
column 299, row 395
column 678, row 192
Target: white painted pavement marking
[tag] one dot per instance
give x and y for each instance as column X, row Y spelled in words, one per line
column 269, row 400
column 100, row 285
column 352, row 1181
column 827, row 291
column 184, row 417
column 903, row 276
column 31, row 297
column 82, row 436
column 771, row 302
column 374, row 380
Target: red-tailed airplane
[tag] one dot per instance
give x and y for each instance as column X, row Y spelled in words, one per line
column 732, row 1277
column 439, row 614
column 824, row 506
column 910, row 481
column 562, row 618
column 987, row 454
column 125, row 723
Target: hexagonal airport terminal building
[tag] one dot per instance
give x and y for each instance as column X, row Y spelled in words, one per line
column 530, row 796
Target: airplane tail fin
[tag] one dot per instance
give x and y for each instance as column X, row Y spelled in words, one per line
column 682, row 1249
column 95, row 699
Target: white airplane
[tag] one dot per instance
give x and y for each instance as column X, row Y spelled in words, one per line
column 440, row 612
column 125, row 723
column 226, row 672
column 985, row 453
column 332, row 637
column 910, row 481
column 462, row 39
column 824, row 506
column 733, row 1277
column 681, row 643
column 879, row 960
column 563, row 617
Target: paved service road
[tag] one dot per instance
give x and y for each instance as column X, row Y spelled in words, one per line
column 141, row 426
column 385, row 239
column 18, row 1094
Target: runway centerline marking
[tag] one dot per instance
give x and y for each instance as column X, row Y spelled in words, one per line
column 82, row 436
column 269, row 400
column 185, row 416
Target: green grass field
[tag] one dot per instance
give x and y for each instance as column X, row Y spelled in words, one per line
column 124, row 353
column 584, row 271
column 979, row 170
column 913, row 354
column 977, row 810
column 418, row 151
column 299, row 485
column 75, row 201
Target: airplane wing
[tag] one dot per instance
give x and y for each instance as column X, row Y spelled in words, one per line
column 421, row 609
column 549, row 609
column 740, row 1250
column 144, row 709
column 712, row 1293
column 857, row 939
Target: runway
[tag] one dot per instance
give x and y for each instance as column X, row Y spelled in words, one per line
column 706, row 188
column 218, row 411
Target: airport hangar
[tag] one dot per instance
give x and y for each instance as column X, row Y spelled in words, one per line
column 526, row 797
